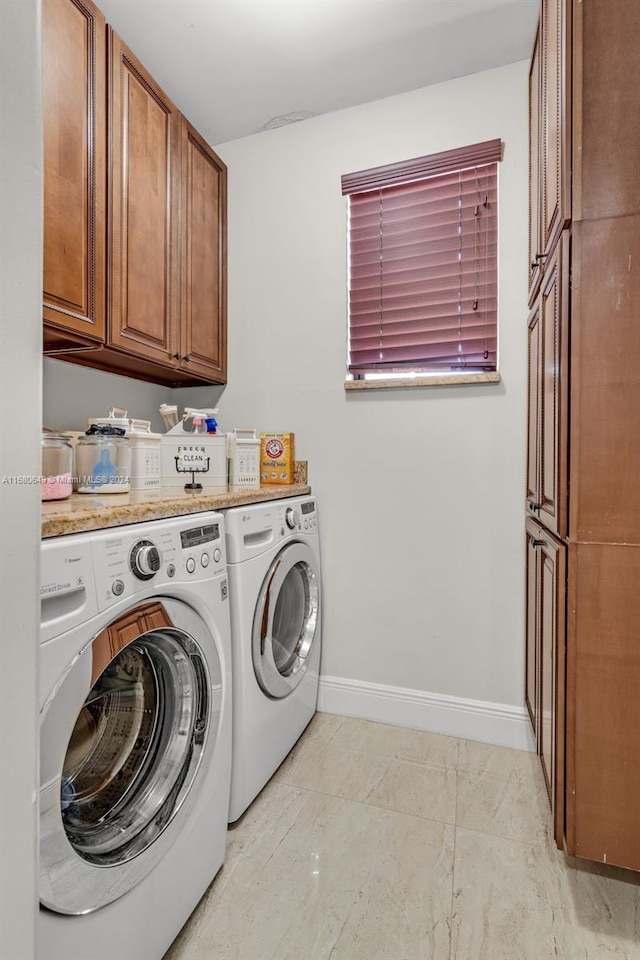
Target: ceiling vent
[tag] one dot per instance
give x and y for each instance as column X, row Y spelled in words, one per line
column 286, row 118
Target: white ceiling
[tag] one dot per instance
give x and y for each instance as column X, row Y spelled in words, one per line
column 233, row 65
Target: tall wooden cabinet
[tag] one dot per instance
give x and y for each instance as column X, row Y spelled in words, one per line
column 582, row 501
column 135, row 213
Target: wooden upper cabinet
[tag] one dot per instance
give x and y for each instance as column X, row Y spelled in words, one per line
column 74, row 133
column 144, row 210
column 138, row 288
column 535, row 229
column 555, row 130
column 203, row 349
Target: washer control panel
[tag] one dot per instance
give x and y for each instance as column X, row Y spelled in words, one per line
column 201, row 545
column 156, row 554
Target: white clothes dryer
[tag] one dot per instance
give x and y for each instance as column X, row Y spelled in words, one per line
column 135, row 735
column 273, row 556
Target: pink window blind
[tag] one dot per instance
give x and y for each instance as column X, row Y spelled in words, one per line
column 423, row 263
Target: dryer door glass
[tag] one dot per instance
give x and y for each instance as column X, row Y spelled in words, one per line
column 290, row 618
column 286, row 620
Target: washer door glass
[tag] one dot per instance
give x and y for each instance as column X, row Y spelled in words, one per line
column 286, row 620
column 135, row 750
column 131, row 747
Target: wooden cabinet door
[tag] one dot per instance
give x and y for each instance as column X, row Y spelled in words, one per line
column 204, row 259
column 74, row 134
column 551, row 639
column 532, row 655
column 534, row 380
column 555, row 128
column 545, row 683
column 535, row 199
column 143, row 209
column 554, row 372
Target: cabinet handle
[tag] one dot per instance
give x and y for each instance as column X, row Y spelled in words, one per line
column 538, row 258
column 537, row 543
column 187, row 358
column 176, row 356
column 533, row 506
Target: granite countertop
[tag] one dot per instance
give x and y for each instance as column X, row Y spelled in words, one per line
column 81, row 512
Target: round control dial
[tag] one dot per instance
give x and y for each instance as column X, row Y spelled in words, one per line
column 292, row 518
column 144, row 559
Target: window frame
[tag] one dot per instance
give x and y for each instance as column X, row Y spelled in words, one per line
column 404, row 174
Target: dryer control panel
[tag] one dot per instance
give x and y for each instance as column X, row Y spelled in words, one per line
column 258, row 528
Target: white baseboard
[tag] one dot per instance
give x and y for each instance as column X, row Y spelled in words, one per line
column 497, row 723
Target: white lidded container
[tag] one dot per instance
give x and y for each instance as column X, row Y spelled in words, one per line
column 243, row 451
column 146, row 460
column 117, row 417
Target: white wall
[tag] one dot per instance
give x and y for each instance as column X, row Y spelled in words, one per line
column 20, row 390
column 72, row 394
column 420, row 491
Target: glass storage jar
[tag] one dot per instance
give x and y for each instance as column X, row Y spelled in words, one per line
column 57, row 466
column 103, row 464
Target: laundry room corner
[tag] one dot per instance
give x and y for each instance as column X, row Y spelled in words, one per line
column 420, row 487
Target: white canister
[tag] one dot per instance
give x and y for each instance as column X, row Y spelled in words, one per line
column 243, row 450
column 146, row 457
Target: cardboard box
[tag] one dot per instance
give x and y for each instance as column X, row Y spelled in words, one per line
column 277, row 458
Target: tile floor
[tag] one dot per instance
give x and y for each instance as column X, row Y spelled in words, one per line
column 374, row 842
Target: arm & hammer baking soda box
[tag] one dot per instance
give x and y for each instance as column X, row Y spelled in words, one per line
column 277, row 457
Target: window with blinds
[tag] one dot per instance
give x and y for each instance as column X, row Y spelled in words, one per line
column 423, row 269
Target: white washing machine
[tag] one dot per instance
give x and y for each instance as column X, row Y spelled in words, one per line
column 135, row 735
column 273, row 556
